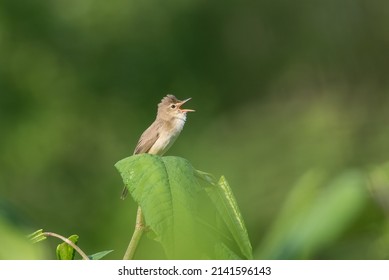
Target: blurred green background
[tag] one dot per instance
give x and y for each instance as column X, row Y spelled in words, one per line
column 291, row 102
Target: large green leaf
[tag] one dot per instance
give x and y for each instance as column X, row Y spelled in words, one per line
column 165, row 190
column 189, row 220
column 314, row 215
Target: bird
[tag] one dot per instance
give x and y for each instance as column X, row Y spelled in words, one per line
column 165, row 129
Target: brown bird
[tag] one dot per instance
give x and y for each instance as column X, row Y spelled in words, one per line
column 162, row 133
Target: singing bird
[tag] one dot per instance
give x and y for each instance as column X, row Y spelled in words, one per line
column 162, row 133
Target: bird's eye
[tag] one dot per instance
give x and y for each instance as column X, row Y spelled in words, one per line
column 173, row 106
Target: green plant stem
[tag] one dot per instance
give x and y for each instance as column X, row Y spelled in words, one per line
column 68, row 241
column 136, row 236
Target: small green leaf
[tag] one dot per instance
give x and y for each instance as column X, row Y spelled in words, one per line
column 65, row 251
column 99, row 255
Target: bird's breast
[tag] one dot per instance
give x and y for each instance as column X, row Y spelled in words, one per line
column 167, row 135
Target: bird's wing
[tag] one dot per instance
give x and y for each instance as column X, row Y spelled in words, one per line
column 147, row 140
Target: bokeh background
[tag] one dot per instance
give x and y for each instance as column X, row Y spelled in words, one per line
column 291, row 102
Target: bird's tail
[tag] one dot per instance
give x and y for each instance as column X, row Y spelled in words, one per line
column 124, row 193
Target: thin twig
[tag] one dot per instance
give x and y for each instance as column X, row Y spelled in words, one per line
column 136, row 236
column 68, row 241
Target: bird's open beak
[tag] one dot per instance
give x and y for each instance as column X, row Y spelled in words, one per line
column 182, row 103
